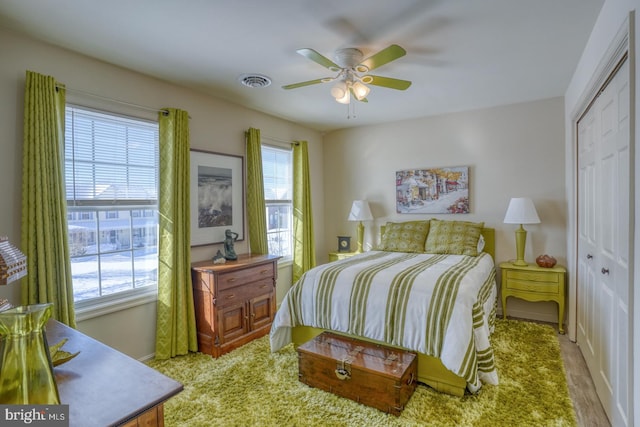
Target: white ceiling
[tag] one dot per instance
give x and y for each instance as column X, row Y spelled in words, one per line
column 461, row 54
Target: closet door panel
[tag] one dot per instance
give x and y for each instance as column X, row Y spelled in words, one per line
column 623, row 363
column 588, row 315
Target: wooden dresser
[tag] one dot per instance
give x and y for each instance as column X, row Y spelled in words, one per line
column 234, row 302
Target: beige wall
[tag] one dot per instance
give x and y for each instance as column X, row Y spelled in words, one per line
column 215, row 125
column 514, row 150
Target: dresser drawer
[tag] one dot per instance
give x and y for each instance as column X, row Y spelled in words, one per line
column 537, row 287
column 534, row 276
column 234, row 278
column 245, row 292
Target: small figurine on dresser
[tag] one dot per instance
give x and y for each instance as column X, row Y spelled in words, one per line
column 229, row 251
column 219, row 258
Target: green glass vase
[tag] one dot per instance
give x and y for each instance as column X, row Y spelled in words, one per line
column 26, row 371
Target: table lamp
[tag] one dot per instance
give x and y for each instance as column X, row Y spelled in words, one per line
column 13, row 263
column 13, row 266
column 521, row 211
column 360, row 212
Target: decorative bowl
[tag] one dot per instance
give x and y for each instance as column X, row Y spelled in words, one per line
column 546, row 261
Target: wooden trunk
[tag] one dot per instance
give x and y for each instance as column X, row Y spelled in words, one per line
column 371, row 374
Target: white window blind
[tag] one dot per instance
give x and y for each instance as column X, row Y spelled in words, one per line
column 277, row 171
column 110, row 160
column 111, row 177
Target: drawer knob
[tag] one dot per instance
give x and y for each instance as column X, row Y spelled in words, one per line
column 604, row 270
column 589, row 256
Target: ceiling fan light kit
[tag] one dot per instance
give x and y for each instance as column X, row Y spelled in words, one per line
column 346, row 99
column 360, row 90
column 339, row 90
column 350, row 66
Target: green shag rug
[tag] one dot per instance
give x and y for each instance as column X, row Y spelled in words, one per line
column 253, row 387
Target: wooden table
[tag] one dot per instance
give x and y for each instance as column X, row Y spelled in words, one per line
column 104, row 387
column 335, row 256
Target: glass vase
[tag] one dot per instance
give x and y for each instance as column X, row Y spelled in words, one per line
column 26, row 371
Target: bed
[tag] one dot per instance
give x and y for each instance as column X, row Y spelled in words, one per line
column 429, row 287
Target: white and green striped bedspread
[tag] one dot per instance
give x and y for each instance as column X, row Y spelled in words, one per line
column 439, row 305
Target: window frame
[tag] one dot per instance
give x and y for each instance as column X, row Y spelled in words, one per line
column 91, row 210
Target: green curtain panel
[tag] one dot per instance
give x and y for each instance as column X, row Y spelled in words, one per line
column 176, row 322
column 256, row 212
column 304, row 253
column 44, row 235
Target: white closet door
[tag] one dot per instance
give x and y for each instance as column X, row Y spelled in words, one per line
column 604, row 174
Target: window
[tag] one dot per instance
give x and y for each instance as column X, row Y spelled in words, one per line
column 277, row 169
column 111, row 176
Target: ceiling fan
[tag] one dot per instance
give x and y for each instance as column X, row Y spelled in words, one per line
column 352, row 78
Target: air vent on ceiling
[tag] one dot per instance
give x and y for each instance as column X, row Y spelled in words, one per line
column 254, row 80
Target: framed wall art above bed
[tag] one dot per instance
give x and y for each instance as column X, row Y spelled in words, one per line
column 217, row 196
column 433, row 191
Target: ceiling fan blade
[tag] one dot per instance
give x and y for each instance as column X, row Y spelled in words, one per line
column 308, row 83
column 386, row 82
column 318, row 58
column 385, row 56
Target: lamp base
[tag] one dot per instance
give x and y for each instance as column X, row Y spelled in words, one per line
column 360, row 238
column 521, row 239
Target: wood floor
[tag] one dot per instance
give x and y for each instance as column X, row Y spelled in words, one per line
column 588, row 408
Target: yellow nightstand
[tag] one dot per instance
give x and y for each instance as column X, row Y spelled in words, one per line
column 533, row 283
column 335, row 256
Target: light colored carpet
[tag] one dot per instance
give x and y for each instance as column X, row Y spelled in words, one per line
column 253, row 387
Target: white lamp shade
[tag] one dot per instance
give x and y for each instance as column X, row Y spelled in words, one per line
column 339, row 90
column 346, row 99
column 521, row 210
column 13, row 263
column 361, row 91
column 360, row 211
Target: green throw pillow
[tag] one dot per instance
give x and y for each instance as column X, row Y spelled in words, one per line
column 404, row 236
column 453, row 237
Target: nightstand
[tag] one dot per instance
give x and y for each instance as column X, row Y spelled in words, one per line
column 335, row 256
column 533, row 283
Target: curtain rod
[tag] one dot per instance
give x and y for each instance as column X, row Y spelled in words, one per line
column 275, row 139
column 283, row 141
column 117, row 101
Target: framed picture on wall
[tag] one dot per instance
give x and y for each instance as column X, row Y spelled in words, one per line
column 217, row 196
column 442, row 190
